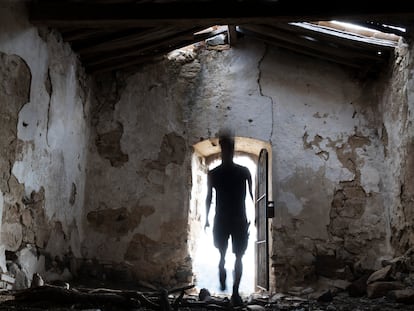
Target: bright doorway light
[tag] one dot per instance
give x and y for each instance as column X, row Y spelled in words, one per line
column 206, row 257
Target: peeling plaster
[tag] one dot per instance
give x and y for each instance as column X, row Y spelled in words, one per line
column 118, row 222
column 57, row 244
column 347, row 155
column 109, row 146
column 403, row 234
column 173, row 150
column 48, row 149
column 15, row 78
column 315, row 144
column 308, row 191
column 36, row 224
column 329, row 145
column 150, row 255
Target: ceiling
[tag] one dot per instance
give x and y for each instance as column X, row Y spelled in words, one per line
column 123, row 34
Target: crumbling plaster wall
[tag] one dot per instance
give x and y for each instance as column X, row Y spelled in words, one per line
column 329, row 146
column 330, row 156
column 341, row 156
column 139, row 166
column 329, row 161
column 397, row 109
column 43, row 111
column 138, row 174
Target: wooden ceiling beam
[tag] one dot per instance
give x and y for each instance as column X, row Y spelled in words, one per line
column 337, row 37
column 344, row 49
column 82, row 34
column 122, row 63
column 136, row 14
column 165, row 45
column 318, row 55
column 232, row 34
column 342, row 56
column 126, row 64
column 383, row 27
column 125, row 41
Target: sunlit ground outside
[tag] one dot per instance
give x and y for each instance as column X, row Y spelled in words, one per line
column 206, row 258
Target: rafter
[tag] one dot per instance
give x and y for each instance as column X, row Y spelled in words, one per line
column 136, row 14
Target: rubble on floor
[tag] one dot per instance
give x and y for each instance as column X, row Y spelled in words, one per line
column 65, row 298
column 389, row 288
column 6, row 281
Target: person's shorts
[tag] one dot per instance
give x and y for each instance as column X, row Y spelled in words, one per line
column 237, row 229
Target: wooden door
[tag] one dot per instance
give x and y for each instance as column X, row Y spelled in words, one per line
column 262, row 249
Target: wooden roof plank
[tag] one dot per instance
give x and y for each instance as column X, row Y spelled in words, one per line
column 86, row 14
column 340, row 56
column 159, row 46
column 90, row 37
column 312, row 43
column 127, row 40
column 367, row 42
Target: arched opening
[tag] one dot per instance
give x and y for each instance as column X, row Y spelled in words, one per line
column 205, row 256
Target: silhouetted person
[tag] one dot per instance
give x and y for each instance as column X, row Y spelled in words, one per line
column 229, row 181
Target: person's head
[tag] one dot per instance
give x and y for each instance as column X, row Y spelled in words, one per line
column 226, row 142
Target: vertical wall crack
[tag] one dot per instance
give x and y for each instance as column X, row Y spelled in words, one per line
column 49, row 90
column 259, row 78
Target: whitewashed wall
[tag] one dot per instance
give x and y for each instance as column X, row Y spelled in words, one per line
column 325, row 127
column 326, row 130
column 43, row 195
column 102, row 173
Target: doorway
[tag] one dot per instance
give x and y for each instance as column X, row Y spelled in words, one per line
column 204, row 255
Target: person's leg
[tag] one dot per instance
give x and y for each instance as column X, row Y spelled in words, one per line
column 236, row 300
column 221, row 237
column 239, row 239
column 222, row 269
column 238, row 271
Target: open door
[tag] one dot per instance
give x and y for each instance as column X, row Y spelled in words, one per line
column 262, row 249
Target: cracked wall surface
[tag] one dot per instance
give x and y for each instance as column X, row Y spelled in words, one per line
column 137, row 211
column 43, row 105
column 397, row 107
column 101, row 173
column 331, row 142
column 15, row 89
column 330, row 145
column 329, row 159
column 15, row 79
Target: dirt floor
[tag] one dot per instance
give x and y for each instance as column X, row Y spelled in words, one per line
column 62, row 299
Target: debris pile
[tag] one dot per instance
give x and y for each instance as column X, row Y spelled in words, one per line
column 387, row 289
column 62, row 298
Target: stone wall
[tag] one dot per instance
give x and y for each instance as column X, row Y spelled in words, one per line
column 329, row 150
column 397, row 107
column 139, row 174
column 98, row 173
column 43, row 111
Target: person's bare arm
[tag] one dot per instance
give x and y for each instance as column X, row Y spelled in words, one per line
column 208, row 199
column 249, row 182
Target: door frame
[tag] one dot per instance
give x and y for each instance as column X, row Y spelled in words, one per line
column 209, row 150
